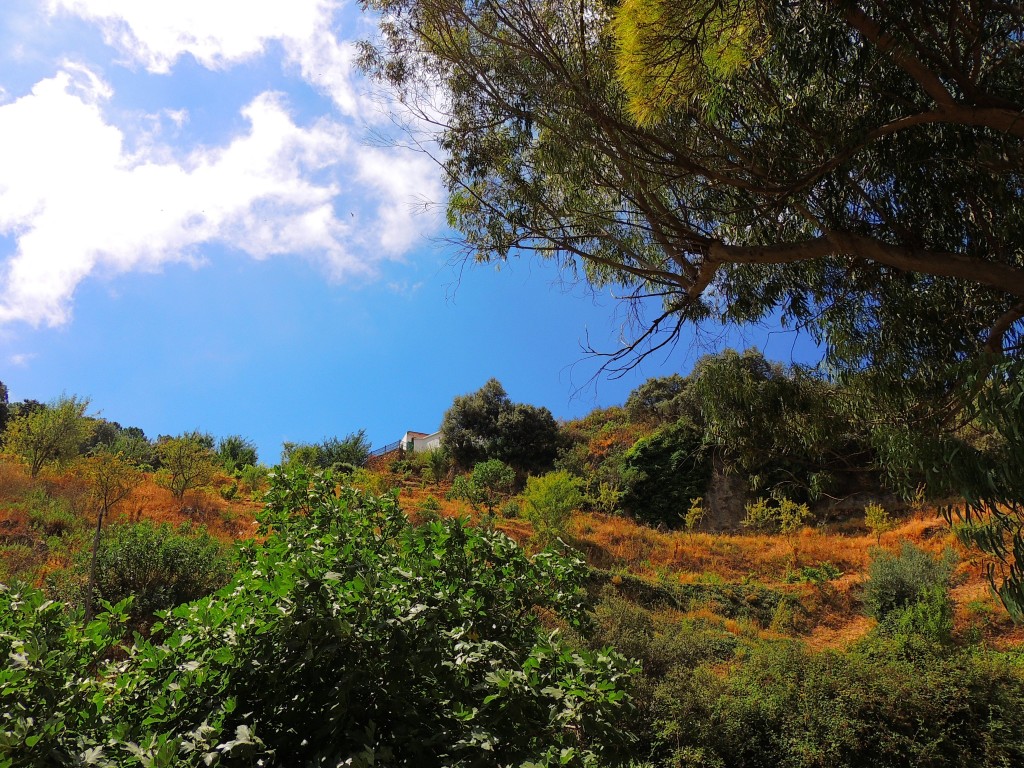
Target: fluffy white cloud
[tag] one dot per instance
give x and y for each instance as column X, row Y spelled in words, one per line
column 222, row 33
column 78, row 203
column 217, row 33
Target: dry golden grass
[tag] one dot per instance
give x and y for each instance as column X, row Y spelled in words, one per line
column 29, row 554
column 835, row 614
column 610, row 542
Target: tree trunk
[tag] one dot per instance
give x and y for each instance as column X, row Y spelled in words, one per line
column 92, row 567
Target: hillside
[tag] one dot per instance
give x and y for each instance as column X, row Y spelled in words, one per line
column 45, row 523
column 628, row 610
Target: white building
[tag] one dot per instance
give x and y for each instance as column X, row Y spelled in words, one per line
column 418, row 442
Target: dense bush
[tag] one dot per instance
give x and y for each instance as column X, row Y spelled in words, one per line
column 897, row 582
column 663, row 473
column 158, row 566
column 550, row 501
column 349, row 637
column 333, row 452
column 870, row 707
column 710, row 698
column 252, row 478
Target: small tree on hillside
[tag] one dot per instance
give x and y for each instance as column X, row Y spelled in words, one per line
column 50, row 434
column 488, row 483
column 550, row 500
column 111, row 480
column 878, row 520
column 235, row 452
column 185, row 463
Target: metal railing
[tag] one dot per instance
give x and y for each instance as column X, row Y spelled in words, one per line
column 386, row 449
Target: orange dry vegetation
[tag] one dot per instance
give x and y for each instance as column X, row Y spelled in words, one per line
column 617, row 543
column 609, row 542
column 58, row 504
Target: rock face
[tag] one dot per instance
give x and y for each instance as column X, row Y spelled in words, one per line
column 724, row 501
column 728, row 494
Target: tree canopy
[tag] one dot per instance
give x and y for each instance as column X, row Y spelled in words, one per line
column 50, row 434
column 855, row 166
column 852, row 167
column 486, row 424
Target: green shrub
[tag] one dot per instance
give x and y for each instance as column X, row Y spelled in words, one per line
column 897, row 582
column 550, row 500
column 607, row 498
column 815, row 574
column 353, row 449
column 51, row 517
column 252, row 478
column 429, row 508
column 695, row 514
column 512, row 509
column 436, row 465
column 776, row 516
column 348, row 637
column 488, row 483
column 871, row 707
column 235, row 452
column 663, row 473
column 926, row 622
column 159, row 566
column 375, row 483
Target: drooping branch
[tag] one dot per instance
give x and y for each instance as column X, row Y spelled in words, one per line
column 997, row 333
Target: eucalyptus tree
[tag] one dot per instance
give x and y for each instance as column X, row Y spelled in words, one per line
column 852, row 166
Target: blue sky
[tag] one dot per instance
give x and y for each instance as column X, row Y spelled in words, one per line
column 197, row 233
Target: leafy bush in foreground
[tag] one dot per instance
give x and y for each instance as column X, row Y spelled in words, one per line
column 350, row 637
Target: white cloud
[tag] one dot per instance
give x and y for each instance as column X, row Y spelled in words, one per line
column 223, row 33
column 218, row 33
column 78, row 203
